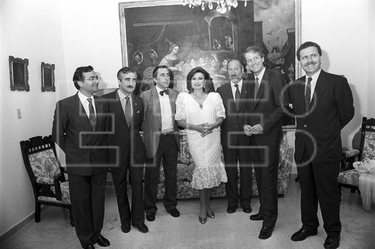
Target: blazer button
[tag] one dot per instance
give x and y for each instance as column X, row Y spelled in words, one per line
column 305, row 126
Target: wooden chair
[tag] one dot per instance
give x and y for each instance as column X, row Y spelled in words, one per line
column 46, row 174
column 349, row 177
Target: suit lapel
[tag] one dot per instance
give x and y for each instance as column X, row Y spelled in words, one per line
column 82, row 115
column 263, row 85
column 156, row 105
column 320, row 86
column 245, row 91
column 136, row 110
column 229, row 98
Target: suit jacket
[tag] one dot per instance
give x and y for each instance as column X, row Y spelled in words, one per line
column 74, row 134
column 266, row 108
column 232, row 127
column 331, row 109
column 152, row 120
column 127, row 138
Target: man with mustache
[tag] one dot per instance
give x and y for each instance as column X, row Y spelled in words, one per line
column 126, row 118
column 323, row 105
column 234, row 141
column 264, row 128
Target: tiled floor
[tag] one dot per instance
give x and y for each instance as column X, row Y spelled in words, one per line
column 225, row 231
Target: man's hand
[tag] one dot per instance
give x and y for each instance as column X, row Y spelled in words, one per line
column 253, row 130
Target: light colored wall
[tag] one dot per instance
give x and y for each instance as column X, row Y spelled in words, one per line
column 343, row 30
column 72, row 33
column 32, row 30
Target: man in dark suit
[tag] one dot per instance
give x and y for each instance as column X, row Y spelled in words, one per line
column 233, row 140
column 130, row 153
column 263, row 126
column 323, row 105
column 162, row 141
column 79, row 127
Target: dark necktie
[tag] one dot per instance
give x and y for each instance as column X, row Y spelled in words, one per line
column 166, row 91
column 256, row 88
column 92, row 117
column 237, row 97
column 128, row 111
column 308, row 94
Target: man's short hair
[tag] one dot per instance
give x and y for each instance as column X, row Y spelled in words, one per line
column 156, row 69
column 306, row 45
column 125, row 70
column 78, row 75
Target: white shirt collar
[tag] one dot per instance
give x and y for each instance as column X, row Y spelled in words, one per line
column 260, row 76
column 315, row 76
column 122, row 95
column 84, row 98
column 239, row 84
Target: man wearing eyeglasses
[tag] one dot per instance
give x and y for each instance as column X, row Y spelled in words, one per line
column 79, row 127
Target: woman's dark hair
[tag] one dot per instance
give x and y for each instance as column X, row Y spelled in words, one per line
column 208, row 87
column 78, row 75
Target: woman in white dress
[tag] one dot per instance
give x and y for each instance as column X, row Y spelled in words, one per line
column 201, row 114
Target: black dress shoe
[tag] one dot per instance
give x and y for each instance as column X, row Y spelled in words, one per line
column 332, row 242
column 174, row 212
column 89, row 247
column 303, row 233
column 125, row 228
column 257, row 216
column 265, row 232
column 231, row 210
column 247, row 209
column 150, row 217
column 142, row 228
column 103, row 242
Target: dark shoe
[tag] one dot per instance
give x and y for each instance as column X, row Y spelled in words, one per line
column 303, row 233
column 174, row 212
column 125, row 228
column 211, row 215
column 332, row 242
column 142, row 228
column 150, row 217
column 265, row 232
column 103, row 242
column 231, row 210
column 89, row 247
column 257, row 216
column 247, row 209
column 202, row 220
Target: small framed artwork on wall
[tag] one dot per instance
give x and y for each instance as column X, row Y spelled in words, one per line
column 48, row 77
column 19, row 74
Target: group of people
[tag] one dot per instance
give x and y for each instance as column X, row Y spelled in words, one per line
column 242, row 120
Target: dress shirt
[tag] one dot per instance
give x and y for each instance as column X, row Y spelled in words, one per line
column 166, row 112
column 313, row 82
column 234, row 88
column 122, row 97
column 85, row 103
column 260, row 76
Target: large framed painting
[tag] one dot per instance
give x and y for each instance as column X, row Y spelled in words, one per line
column 169, row 33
